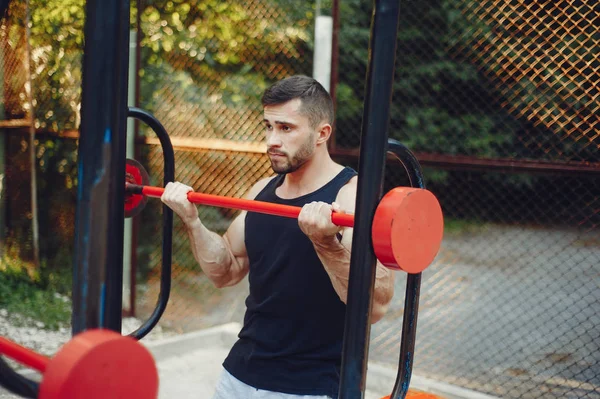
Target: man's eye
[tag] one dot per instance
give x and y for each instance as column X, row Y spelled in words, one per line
column 286, row 128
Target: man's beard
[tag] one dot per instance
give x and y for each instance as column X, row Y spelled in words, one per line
column 303, row 154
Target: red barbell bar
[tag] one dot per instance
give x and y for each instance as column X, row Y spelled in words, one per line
column 407, row 227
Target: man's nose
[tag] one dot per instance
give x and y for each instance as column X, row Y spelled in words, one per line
column 273, row 140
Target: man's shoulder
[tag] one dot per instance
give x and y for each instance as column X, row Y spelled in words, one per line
column 351, row 185
column 259, row 186
column 346, row 172
column 346, row 197
column 262, row 183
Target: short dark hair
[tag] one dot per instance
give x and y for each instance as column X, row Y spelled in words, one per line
column 316, row 101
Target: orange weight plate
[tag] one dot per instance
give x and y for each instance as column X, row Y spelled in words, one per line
column 407, row 229
column 417, row 395
column 100, row 364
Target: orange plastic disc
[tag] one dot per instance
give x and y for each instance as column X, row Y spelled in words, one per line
column 417, row 395
column 100, row 364
column 407, row 229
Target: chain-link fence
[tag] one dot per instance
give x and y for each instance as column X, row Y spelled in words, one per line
column 49, row 68
column 511, row 306
column 14, row 79
column 487, row 78
column 227, row 54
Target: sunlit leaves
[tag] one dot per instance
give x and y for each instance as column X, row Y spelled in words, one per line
column 57, row 45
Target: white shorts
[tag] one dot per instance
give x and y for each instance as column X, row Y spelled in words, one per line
column 229, row 387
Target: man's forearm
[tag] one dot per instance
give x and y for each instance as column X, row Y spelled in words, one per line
column 336, row 261
column 210, row 251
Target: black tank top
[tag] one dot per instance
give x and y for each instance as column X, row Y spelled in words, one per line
column 291, row 341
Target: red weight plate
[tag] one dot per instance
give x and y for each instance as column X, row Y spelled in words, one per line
column 135, row 174
column 407, row 229
column 100, row 364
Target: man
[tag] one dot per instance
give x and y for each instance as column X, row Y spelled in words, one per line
column 290, row 344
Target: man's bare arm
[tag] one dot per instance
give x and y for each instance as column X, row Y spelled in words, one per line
column 335, row 255
column 222, row 258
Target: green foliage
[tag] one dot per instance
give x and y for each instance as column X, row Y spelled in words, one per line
column 31, row 296
column 210, row 53
column 57, row 43
column 540, row 70
column 207, row 47
column 56, row 186
column 456, row 227
column 440, row 104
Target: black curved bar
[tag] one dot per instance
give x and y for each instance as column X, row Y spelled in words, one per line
column 409, row 161
column 413, row 282
column 17, row 383
column 169, row 176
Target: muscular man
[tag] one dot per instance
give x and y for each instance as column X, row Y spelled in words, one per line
column 291, row 342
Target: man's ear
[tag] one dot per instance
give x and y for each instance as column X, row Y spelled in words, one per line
column 324, row 133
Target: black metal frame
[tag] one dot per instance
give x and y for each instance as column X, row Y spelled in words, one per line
column 98, row 259
column 97, row 283
column 372, row 158
column 17, row 383
column 167, row 247
column 413, row 282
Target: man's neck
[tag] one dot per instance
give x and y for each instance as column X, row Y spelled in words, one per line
column 311, row 176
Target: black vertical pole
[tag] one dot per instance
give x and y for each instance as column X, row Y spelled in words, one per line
column 98, row 260
column 335, row 62
column 373, row 149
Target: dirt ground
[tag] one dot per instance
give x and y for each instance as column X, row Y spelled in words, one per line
column 508, row 311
